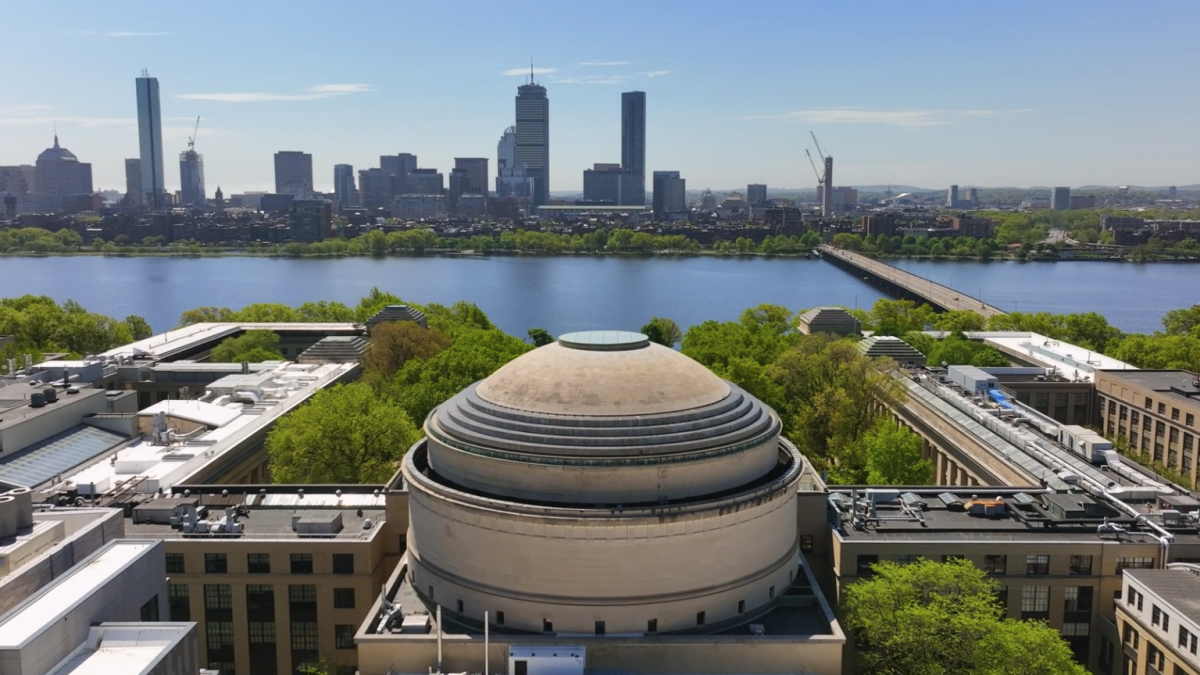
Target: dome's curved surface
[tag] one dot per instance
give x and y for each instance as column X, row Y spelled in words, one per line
column 636, row 377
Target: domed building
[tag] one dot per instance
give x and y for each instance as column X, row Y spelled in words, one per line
column 604, row 486
column 59, row 175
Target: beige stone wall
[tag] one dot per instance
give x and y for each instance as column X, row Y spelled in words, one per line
column 604, row 484
column 809, row 655
column 620, row 570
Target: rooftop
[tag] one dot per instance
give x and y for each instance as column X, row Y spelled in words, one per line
column 148, row 463
column 127, row 648
column 173, row 342
column 270, row 516
column 15, row 408
column 56, row 600
column 1175, row 385
column 1179, row 588
column 42, row 461
column 1070, row 360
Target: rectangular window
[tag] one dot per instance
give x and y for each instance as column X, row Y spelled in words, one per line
column 1174, row 414
column 1189, row 420
column 741, row 606
column 1037, row 564
column 500, row 618
column 1134, row 417
column 547, row 626
column 806, row 543
column 1132, row 597
column 1078, row 629
column 599, row 628
column 258, row 563
column 1077, row 598
column 219, row 636
column 1160, row 429
column 179, row 602
column 1187, row 442
column 149, row 611
column 771, row 593
column 1035, row 599
column 1124, row 413
column 1162, row 408
column 215, row 563
column 1173, row 436
column 459, row 607
column 343, row 598
column 1149, row 403
column 652, row 625
column 699, row 618
column 260, row 602
column 175, row 564
column 302, row 594
column 217, row 596
column 304, row 636
column 864, row 564
column 907, row 559
column 1081, row 565
column 261, row 632
column 343, row 563
column 343, row 636
column 1112, row 405
column 302, row 563
column 1134, row 564
column 995, row 564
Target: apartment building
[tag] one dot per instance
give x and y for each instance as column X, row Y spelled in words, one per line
column 1159, row 623
column 1154, row 411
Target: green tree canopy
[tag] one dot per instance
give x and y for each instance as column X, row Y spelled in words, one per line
column 138, row 327
column 1183, row 321
column 540, row 337
column 346, row 434
column 394, row 344
column 663, row 331
column 252, row 346
column 932, row 618
column 893, row 456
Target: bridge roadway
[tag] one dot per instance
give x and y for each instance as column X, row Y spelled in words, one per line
column 905, row 284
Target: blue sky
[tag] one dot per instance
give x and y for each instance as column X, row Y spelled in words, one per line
column 921, row 92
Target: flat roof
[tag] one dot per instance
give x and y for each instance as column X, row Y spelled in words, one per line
column 1049, row 352
column 1170, row 383
column 1178, row 588
column 276, row 522
column 196, row 411
column 126, row 648
column 162, row 466
column 42, row 461
column 165, row 344
column 18, row 411
column 64, row 594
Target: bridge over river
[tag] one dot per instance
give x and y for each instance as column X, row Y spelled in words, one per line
column 906, row 285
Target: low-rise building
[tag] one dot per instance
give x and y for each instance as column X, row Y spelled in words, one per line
column 1158, row 620
column 1154, row 412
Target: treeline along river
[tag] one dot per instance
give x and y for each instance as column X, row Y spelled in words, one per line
column 566, row 293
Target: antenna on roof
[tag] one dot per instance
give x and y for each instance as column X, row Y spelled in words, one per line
column 530, row 70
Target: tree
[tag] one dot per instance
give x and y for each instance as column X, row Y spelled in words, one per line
column 1182, row 321
column 663, row 331
column 1159, row 352
column 346, row 434
column 394, row 344
column 206, row 315
column 252, row 346
column 930, row 618
column 540, row 337
column 893, row 456
column 139, row 328
column 897, row 317
column 959, row 320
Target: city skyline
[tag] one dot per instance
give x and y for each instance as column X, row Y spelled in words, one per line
column 1026, row 102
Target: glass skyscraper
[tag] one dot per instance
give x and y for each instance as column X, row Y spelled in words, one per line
column 150, row 140
column 633, row 146
column 191, row 176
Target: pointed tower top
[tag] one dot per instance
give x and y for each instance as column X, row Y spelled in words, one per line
column 56, row 134
column 531, row 70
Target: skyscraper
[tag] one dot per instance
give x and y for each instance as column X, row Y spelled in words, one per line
column 293, row 173
column 510, row 178
column 1060, row 198
column 670, row 194
column 533, row 138
column 343, row 186
column 150, row 141
column 952, row 197
column 133, row 183
column 756, row 194
column 476, row 169
column 633, row 145
column 191, row 178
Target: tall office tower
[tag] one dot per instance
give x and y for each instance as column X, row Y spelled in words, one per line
column 827, row 189
column 756, row 194
column 293, row 173
column 633, row 145
column 375, row 189
column 191, row 179
column 311, row 219
column 533, row 138
column 669, row 194
column 398, row 165
column 476, row 169
column 511, row 180
column 973, row 196
column 59, row 175
column 343, row 186
column 133, row 183
column 150, row 141
column 952, row 197
column 1060, row 198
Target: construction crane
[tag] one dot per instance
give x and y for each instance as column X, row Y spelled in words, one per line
column 192, row 138
column 818, row 144
column 811, row 161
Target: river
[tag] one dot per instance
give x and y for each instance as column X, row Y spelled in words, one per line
column 563, row 294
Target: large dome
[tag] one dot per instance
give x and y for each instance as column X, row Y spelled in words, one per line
column 602, row 417
column 600, row 374
column 602, row 483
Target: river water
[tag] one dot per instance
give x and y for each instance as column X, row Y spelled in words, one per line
column 564, row 294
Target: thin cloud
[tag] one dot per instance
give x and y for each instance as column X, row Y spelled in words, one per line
column 593, row 79
column 37, row 114
column 657, row 73
column 133, row 34
column 604, row 63
column 897, row 118
column 310, row 94
column 516, row 72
